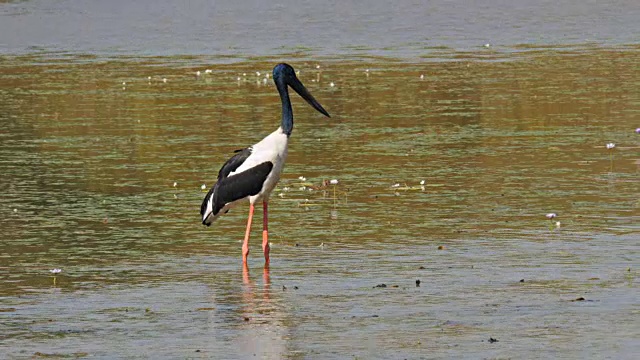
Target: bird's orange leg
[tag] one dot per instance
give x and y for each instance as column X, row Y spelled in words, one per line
column 245, row 245
column 265, row 233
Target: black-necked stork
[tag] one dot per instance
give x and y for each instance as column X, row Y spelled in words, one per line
column 253, row 172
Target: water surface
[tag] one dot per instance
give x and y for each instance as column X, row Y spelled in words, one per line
column 103, row 156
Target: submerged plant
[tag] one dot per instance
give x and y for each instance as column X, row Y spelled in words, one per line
column 610, row 147
column 552, row 216
column 334, row 182
column 55, row 272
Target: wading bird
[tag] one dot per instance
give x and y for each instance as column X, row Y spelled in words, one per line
column 253, row 172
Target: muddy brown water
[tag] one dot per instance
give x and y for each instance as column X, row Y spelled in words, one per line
column 102, row 164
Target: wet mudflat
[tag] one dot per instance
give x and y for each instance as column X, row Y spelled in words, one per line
column 448, row 161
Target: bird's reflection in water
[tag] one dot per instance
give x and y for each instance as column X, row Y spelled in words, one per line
column 263, row 331
column 249, row 286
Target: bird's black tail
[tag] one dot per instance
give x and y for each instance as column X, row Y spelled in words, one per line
column 207, row 208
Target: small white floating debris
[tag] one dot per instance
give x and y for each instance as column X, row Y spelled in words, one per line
column 487, row 45
column 332, row 84
column 302, row 188
column 281, row 195
column 611, row 146
column 367, row 71
column 264, row 81
column 266, row 75
column 551, row 215
column 124, row 83
column 257, row 73
column 203, row 187
column 286, row 188
column 333, row 182
column 318, row 66
column 395, row 185
column 55, row 271
column 208, row 71
column 239, row 79
column 164, row 80
column 421, row 76
column 421, row 182
column 175, row 184
column 558, row 224
column 322, row 245
column 149, row 78
column 297, row 72
column 244, row 74
column 302, row 178
column 15, row 210
column 198, row 73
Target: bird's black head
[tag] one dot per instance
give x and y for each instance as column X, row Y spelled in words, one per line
column 283, row 75
column 284, row 72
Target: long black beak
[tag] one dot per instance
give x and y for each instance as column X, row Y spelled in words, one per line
column 304, row 93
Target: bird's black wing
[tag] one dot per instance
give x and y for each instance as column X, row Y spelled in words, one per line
column 241, row 185
column 234, row 163
column 236, row 187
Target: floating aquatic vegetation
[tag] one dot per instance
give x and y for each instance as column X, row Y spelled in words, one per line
column 406, row 187
column 301, row 191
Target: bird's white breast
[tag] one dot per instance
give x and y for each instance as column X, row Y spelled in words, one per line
column 272, row 148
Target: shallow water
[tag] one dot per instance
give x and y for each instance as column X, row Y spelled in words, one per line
column 103, row 162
